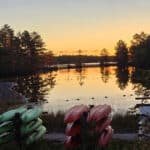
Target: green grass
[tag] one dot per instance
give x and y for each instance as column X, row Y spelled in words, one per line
column 125, row 123
column 120, row 124
column 54, row 122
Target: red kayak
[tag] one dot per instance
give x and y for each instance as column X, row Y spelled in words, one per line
column 92, row 112
column 75, row 113
column 105, row 137
column 71, row 142
column 102, row 125
column 73, row 129
column 99, row 112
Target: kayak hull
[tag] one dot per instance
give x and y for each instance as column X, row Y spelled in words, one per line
column 73, row 129
column 101, row 112
column 93, row 111
column 31, row 114
column 36, row 135
column 72, row 142
column 101, row 126
column 6, row 126
column 9, row 115
column 6, row 137
column 30, row 127
column 76, row 113
column 105, row 137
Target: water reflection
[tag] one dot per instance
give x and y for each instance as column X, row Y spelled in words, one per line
column 35, row 87
column 81, row 75
column 105, row 74
column 122, row 75
column 89, row 85
column 141, row 81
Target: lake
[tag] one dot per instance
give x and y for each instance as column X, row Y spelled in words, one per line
column 62, row 89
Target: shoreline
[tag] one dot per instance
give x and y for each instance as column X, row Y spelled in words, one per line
column 57, row 67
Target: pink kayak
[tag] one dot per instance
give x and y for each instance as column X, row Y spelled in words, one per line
column 73, row 129
column 101, row 112
column 92, row 112
column 71, row 142
column 75, row 113
column 105, row 137
column 102, row 125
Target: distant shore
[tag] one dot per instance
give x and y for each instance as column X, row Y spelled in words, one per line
column 82, row 65
column 55, row 67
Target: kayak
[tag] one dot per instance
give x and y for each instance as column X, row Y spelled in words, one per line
column 30, row 127
column 6, row 137
column 143, row 121
column 92, row 112
column 6, row 126
column 102, row 125
column 36, row 135
column 9, row 115
column 72, row 142
column 31, row 114
column 100, row 113
column 105, row 137
column 76, row 113
column 73, row 129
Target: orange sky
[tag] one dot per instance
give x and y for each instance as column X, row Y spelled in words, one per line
column 78, row 24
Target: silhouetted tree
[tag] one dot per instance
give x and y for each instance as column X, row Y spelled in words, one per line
column 32, row 43
column 6, row 36
column 21, row 53
column 79, row 61
column 103, row 56
column 140, row 50
column 8, row 49
column 47, row 59
column 121, row 53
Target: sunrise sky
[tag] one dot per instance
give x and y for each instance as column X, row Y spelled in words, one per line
column 78, row 24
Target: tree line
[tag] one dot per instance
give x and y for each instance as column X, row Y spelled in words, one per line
column 22, row 52
column 25, row 52
column 137, row 54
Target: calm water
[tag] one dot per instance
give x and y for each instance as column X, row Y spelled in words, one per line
column 63, row 89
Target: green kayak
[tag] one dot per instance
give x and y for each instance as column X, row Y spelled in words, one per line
column 6, row 137
column 36, row 135
column 6, row 126
column 31, row 127
column 31, row 114
column 9, row 115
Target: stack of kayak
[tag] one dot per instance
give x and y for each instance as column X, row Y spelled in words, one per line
column 84, row 123
column 22, row 125
column 75, row 119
